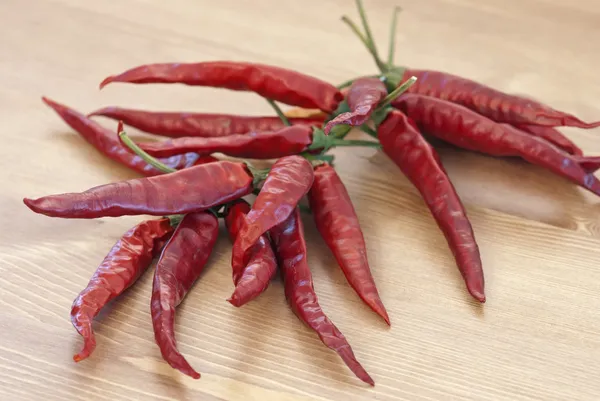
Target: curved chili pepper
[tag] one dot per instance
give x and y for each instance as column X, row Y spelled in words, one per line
column 465, row 128
column 183, row 124
column 553, row 136
column 489, row 102
column 254, row 278
column 256, row 145
column 275, row 83
column 179, row 266
column 338, row 224
column 420, row 163
column 290, row 247
column 205, row 160
column 107, row 143
column 363, row 97
column 190, row 190
column 120, row 269
column 288, row 181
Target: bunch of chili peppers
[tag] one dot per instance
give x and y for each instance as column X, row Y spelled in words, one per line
column 188, row 189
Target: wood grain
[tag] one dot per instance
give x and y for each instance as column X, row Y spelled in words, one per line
column 537, row 337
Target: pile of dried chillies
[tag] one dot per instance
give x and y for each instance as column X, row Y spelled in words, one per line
column 188, row 189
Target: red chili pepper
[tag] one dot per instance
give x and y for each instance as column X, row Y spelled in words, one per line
column 193, row 189
column 254, row 278
column 420, row 163
column 290, row 248
column 257, row 145
column 120, row 269
column 275, row 83
column 288, row 181
column 107, row 143
column 205, row 160
column 338, row 224
column 182, row 124
column 553, row 136
column 363, row 97
column 180, row 265
column 465, row 128
column 489, row 102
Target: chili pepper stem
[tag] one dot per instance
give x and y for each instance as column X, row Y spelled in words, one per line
column 127, row 141
column 280, row 113
column 365, row 41
column 369, row 35
column 347, row 142
column 392, row 39
column 397, row 92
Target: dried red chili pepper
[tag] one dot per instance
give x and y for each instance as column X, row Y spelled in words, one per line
column 420, row 163
column 190, row 190
column 363, row 97
column 181, row 124
column 256, row 145
column 107, row 143
column 290, row 247
column 338, row 224
column 120, row 269
column 465, row 128
column 553, row 136
column 489, row 102
column 205, row 160
column 288, row 181
column 254, row 277
column 179, row 266
column 275, row 83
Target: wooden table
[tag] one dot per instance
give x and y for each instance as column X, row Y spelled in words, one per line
column 538, row 336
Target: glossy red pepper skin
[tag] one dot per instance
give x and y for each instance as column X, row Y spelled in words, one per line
column 120, row 269
column 190, row 190
column 290, row 248
column 183, row 124
column 179, row 266
column 338, row 224
column 279, row 84
column 108, row 143
column 256, row 145
column 288, row 181
column 363, row 97
column 465, row 128
column 553, row 136
column 489, row 102
column 403, row 143
column 252, row 279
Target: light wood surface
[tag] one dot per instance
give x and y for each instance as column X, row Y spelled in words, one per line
column 537, row 337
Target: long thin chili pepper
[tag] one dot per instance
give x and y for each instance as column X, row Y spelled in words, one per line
column 107, row 143
column 553, row 136
column 290, row 247
column 288, row 181
column 489, row 102
column 420, row 163
column 179, row 266
column 119, row 270
column 465, row 128
column 363, row 97
column 182, row 124
column 254, row 277
column 275, row 83
column 256, row 145
column 190, row 190
column 338, row 224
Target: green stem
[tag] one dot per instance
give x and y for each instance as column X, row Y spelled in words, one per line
column 340, row 131
column 282, row 116
column 392, row 40
column 363, row 17
column 368, row 130
column 365, row 42
column 397, row 92
column 348, row 142
column 145, row 156
column 346, row 84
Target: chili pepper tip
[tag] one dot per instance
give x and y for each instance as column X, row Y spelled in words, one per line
column 478, row 295
column 106, row 81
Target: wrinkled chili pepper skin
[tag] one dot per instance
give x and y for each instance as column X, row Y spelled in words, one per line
column 256, row 145
column 553, row 136
column 179, row 266
column 489, row 102
column 288, row 181
column 255, row 276
column 290, row 248
column 403, row 143
column 120, row 269
column 108, row 143
column 465, row 128
column 190, row 190
column 279, row 84
column 338, row 224
column 363, row 97
column 182, row 124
